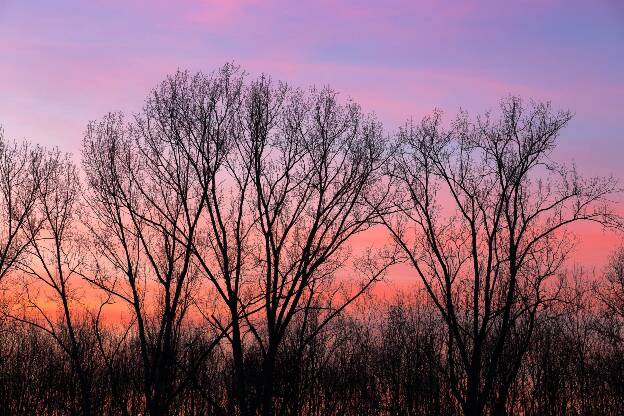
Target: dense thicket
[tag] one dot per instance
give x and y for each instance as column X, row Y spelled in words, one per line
column 217, row 250
column 385, row 360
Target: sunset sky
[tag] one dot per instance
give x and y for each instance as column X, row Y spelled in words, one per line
column 63, row 63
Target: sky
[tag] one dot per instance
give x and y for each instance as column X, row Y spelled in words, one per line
column 65, row 62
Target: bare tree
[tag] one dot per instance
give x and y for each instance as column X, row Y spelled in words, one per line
column 201, row 115
column 19, row 188
column 51, row 263
column 484, row 214
column 146, row 210
column 317, row 180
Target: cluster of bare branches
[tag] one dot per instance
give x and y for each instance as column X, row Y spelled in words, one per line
column 482, row 220
column 205, row 258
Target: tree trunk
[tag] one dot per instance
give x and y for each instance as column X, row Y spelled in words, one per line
column 268, row 382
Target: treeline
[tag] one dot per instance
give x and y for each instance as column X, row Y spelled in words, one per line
column 386, row 359
column 227, row 219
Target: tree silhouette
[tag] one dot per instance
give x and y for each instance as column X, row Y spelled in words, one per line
column 482, row 220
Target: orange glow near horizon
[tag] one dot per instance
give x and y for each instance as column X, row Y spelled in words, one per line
column 68, row 62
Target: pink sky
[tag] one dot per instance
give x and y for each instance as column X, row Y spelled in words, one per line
column 65, row 62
